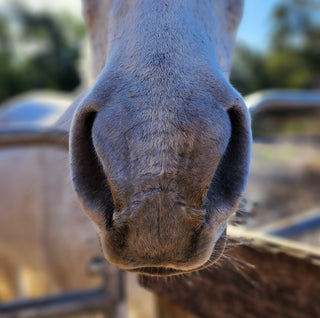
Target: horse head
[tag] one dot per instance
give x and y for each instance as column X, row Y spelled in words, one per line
column 160, row 145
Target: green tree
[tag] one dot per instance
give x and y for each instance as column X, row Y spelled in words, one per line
column 293, row 60
column 42, row 52
column 296, row 43
column 248, row 72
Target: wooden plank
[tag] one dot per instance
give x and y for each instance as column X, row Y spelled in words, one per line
column 278, row 285
column 273, row 244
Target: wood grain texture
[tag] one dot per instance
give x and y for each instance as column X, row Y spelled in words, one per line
column 279, row 285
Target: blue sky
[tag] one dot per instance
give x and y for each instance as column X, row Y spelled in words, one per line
column 255, row 26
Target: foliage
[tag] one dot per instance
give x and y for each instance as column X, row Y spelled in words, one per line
column 38, row 50
column 293, row 60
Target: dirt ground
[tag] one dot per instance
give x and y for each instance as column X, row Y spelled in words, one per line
column 284, row 181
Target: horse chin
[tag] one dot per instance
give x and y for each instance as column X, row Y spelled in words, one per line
column 167, row 271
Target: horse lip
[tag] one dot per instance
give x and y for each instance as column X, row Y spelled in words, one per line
column 168, row 271
column 157, row 271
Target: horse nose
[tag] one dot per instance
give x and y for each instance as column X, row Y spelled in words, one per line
column 204, row 162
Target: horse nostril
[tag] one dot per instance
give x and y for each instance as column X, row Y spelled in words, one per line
column 88, row 176
column 230, row 179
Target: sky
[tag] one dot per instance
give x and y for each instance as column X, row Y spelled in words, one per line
column 254, row 28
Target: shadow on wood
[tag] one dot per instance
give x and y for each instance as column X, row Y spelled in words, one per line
column 280, row 283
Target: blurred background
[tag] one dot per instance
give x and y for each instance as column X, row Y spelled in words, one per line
column 41, row 46
column 43, row 49
column 278, row 46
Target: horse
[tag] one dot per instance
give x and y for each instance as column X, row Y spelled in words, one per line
column 159, row 150
column 160, row 145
